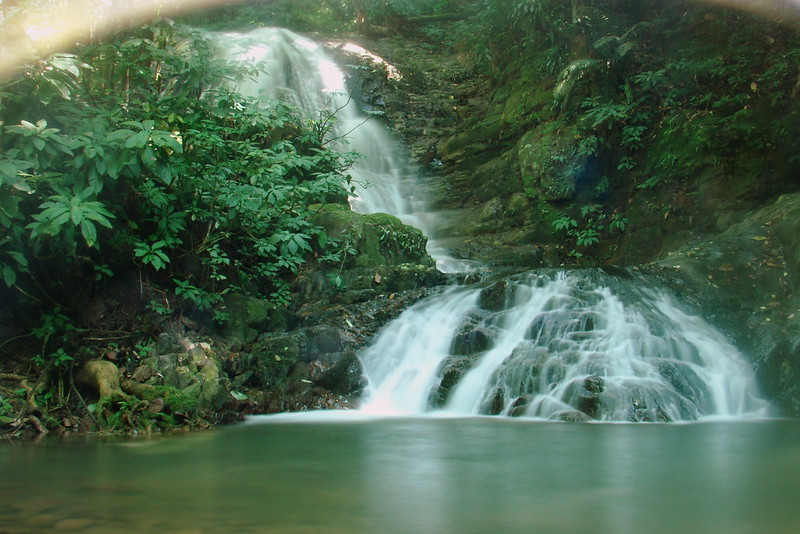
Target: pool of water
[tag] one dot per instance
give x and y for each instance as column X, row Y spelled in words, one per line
column 420, row 475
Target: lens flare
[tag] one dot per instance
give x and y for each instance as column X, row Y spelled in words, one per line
column 36, row 28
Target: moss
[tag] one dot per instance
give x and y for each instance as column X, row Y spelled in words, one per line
column 175, row 400
column 525, row 100
column 249, row 316
column 378, row 238
column 547, row 167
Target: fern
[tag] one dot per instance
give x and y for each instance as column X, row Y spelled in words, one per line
column 569, row 79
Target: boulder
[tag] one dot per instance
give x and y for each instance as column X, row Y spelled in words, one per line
column 745, row 282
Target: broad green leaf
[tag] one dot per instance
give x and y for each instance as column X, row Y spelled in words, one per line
column 9, row 275
column 9, row 205
column 137, row 140
column 89, row 232
column 20, row 258
column 76, row 214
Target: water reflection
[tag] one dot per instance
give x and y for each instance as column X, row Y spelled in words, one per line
column 400, row 475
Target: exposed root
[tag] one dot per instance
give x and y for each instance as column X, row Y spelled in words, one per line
column 102, row 376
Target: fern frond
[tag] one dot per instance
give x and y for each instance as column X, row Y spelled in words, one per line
column 569, row 78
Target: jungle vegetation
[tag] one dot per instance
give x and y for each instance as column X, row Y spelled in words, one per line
column 131, row 156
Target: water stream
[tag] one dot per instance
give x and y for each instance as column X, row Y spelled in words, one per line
column 573, row 345
column 554, row 345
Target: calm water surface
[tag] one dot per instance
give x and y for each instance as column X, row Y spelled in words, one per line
column 425, row 475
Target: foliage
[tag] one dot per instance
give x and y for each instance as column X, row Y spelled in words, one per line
column 326, row 15
column 133, row 153
column 596, row 224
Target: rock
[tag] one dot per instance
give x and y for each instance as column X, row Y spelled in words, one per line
column 594, row 384
column 250, row 316
column 471, row 339
column 186, row 364
column 379, row 239
column 589, row 396
column 156, row 405
column 494, row 297
column 570, row 416
column 519, row 407
column 339, row 373
column 546, row 162
column 685, row 381
column 453, row 369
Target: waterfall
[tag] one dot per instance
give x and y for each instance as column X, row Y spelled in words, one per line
column 574, row 345
column 558, row 345
column 297, row 70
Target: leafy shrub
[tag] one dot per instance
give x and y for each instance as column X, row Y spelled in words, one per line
column 134, row 153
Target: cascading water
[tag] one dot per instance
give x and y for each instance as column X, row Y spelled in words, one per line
column 556, row 345
column 298, row 70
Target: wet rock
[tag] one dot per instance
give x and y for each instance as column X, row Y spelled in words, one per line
column 685, row 381
column 570, row 416
column 594, row 384
column 496, row 403
column 340, row 373
column 494, row 297
column 519, row 407
column 745, row 282
column 453, row 369
column 589, row 398
column 471, row 339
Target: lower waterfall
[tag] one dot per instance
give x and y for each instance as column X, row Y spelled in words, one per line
column 563, row 345
column 574, row 345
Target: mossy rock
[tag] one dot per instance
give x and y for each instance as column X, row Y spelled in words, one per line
column 249, row 316
column 193, row 368
column 378, row 238
column 547, row 167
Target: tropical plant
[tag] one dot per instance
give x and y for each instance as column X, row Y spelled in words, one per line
column 133, row 153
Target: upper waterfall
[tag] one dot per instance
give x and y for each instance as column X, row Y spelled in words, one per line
column 298, row 70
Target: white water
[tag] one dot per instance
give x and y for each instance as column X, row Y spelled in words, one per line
column 299, row 71
column 564, row 346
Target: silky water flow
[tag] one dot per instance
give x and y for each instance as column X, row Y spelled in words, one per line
column 565, row 345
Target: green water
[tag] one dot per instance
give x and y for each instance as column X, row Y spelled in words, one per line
column 482, row 475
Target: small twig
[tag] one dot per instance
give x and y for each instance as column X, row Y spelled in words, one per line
column 112, row 338
column 11, row 376
column 82, row 401
column 7, row 341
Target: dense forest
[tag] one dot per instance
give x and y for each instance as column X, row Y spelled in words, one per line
column 141, row 195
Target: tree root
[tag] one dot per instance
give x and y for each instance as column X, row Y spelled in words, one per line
column 102, row 376
column 37, row 424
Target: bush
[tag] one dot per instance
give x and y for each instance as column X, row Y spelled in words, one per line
column 135, row 153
